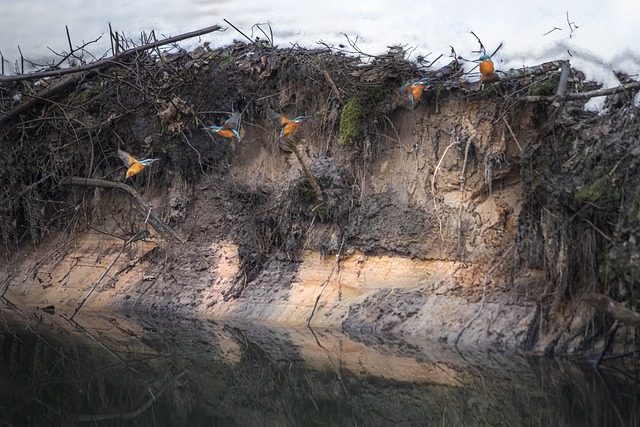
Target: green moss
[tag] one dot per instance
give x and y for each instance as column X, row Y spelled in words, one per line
column 352, row 114
column 87, row 94
column 225, row 61
column 543, row 88
column 596, row 190
column 375, row 95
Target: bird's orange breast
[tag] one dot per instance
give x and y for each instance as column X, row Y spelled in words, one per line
column 134, row 169
column 289, row 127
column 486, row 68
column 416, row 91
column 227, row 133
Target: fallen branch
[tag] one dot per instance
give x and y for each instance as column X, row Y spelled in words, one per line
column 153, row 218
column 82, row 72
column 613, row 308
column 584, row 95
column 48, row 92
column 111, row 60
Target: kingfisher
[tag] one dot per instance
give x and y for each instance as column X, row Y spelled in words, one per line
column 230, row 127
column 486, row 68
column 284, row 124
column 414, row 89
column 134, row 165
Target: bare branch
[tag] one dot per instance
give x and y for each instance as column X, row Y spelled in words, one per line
column 154, row 219
column 108, row 61
column 585, row 95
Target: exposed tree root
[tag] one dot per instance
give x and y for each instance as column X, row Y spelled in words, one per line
column 151, row 216
column 613, row 308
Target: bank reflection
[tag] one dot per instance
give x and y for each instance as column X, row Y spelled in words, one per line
column 119, row 369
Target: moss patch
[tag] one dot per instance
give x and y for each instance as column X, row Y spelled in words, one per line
column 543, row 88
column 594, row 191
column 352, row 114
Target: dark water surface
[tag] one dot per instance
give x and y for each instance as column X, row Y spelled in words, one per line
column 120, row 369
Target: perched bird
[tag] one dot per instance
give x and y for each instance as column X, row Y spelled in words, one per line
column 286, row 125
column 134, row 165
column 230, row 128
column 414, row 89
column 486, row 68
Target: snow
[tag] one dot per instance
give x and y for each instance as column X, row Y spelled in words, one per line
column 597, row 37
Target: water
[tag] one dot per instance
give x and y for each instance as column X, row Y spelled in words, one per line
column 118, row 369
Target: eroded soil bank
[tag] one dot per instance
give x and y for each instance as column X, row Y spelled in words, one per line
column 478, row 218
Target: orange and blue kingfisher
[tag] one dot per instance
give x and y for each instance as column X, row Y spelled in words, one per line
column 134, row 165
column 230, row 127
column 486, row 68
column 286, row 125
column 414, row 89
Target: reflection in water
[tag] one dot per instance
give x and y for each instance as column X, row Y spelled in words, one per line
column 118, row 370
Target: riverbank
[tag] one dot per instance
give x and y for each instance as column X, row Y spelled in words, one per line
column 478, row 218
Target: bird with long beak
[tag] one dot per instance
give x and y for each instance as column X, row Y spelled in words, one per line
column 487, row 69
column 284, row 124
column 133, row 165
column 414, row 88
column 230, row 127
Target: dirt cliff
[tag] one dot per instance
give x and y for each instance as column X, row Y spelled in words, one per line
column 479, row 218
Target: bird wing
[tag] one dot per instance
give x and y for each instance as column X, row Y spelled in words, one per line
column 127, row 158
column 232, row 122
column 279, row 120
